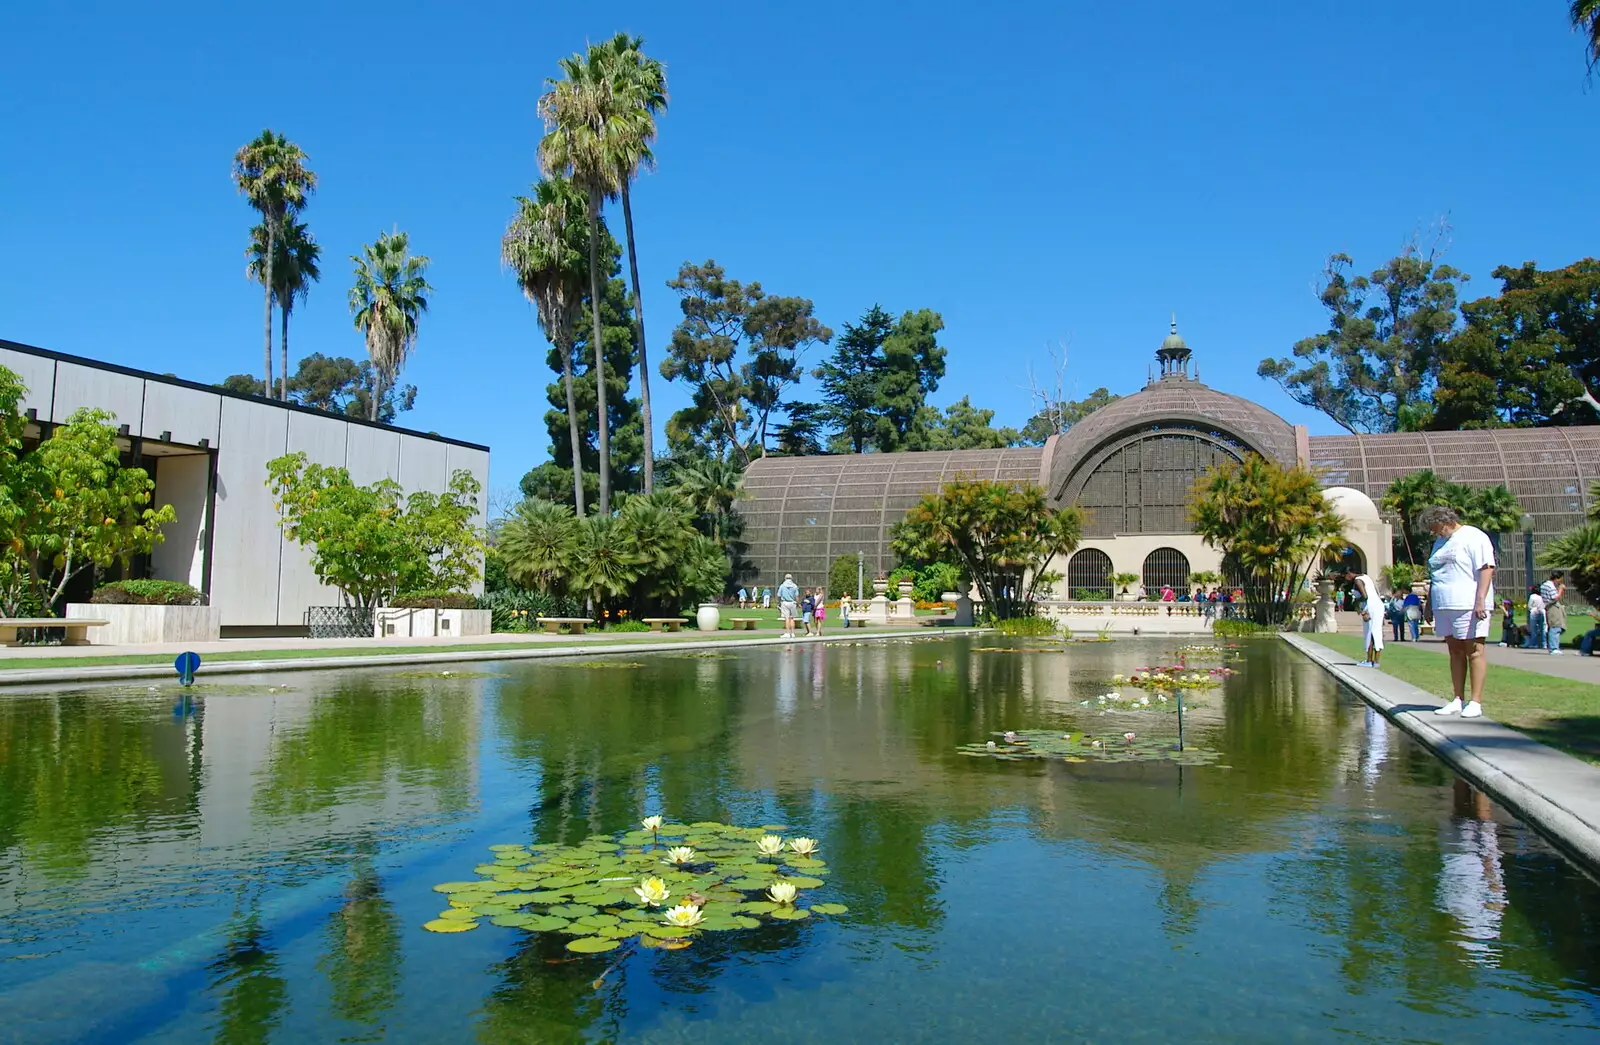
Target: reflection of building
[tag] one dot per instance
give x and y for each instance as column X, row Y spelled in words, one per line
column 1132, row 464
column 207, row 451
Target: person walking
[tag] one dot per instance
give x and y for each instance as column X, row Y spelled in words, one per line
column 1395, row 611
column 1413, row 607
column 1364, row 595
column 766, row 597
column 788, row 603
column 808, row 607
column 821, row 610
column 1535, row 620
column 1462, row 567
column 845, row 605
column 1555, row 614
column 744, row 597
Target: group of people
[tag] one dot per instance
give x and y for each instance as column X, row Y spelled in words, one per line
column 809, row 607
column 1547, row 618
column 749, row 598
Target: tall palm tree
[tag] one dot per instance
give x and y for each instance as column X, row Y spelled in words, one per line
column 710, row 487
column 294, row 268
column 390, row 293
column 639, row 84
column 1586, row 19
column 545, row 245
column 584, row 130
column 272, row 174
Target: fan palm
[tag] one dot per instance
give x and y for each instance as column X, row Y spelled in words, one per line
column 639, row 85
column 538, row 544
column 294, row 269
column 605, row 563
column 710, row 487
column 545, row 245
column 584, row 131
column 1586, row 20
column 272, row 174
column 1493, row 509
column 390, row 293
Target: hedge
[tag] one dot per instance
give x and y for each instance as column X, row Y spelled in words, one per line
column 147, row 593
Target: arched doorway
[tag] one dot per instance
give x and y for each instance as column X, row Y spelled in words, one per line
column 1165, row 568
column 1349, row 559
column 1089, row 575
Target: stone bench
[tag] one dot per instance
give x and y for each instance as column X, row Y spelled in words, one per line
column 856, row 622
column 574, row 624
column 77, row 628
column 744, row 623
column 669, row 623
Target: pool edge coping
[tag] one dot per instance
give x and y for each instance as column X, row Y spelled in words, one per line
column 1532, row 801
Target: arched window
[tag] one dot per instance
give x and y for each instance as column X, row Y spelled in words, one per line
column 1165, row 568
column 1089, row 575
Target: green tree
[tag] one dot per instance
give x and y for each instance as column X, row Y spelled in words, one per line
column 850, row 380
column 844, row 576
column 244, row 384
column 639, row 85
column 547, row 246
column 272, row 173
column 963, row 427
column 1056, row 416
column 1381, row 350
column 1586, row 20
column 738, row 349
column 341, row 385
column 999, row 534
column 1493, row 509
column 537, row 544
column 1272, row 525
column 373, row 542
column 913, row 363
column 389, row 295
column 294, row 269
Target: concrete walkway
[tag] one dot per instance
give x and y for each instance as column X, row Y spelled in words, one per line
column 1553, row 792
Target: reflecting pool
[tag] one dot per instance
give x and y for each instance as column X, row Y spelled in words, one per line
column 259, row 870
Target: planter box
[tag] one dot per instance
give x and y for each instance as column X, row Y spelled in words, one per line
column 134, row 625
column 393, row 623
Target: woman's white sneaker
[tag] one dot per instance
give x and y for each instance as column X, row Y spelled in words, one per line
column 1472, row 710
column 1452, row 708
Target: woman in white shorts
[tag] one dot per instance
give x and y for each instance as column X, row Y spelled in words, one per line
column 1462, row 570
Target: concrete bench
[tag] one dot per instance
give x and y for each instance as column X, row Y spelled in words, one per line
column 744, row 623
column 669, row 623
column 77, row 628
column 574, row 624
column 856, row 622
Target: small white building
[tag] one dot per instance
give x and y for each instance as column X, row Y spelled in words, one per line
column 207, row 450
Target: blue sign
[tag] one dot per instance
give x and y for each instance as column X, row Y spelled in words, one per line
column 187, row 664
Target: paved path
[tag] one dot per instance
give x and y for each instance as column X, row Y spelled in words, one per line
column 1555, row 793
column 1569, row 665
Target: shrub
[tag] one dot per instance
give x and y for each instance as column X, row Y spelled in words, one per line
column 1016, row 626
column 147, row 593
column 627, row 626
column 516, row 609
column 434, row 600
column 842, row 577
column 1233, row 628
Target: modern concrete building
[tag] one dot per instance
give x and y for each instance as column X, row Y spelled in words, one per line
column 1131, row 466
column 207, row 450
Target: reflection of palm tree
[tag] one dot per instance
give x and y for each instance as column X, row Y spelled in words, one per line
column 362, row 961
column 252, row 993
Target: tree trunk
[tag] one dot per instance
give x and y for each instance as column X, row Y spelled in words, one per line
column 644, row 362
column 377, row 393
column 599, row 354
column 572, row 424
column 283, row 345
column 266, row 284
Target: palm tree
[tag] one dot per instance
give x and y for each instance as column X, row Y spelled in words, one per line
column 389, row 294
column 272, row 174
column 584, row 131
column 545, row 245
column 538, row 544
column 710, row 487
column 640, row 86
column 294, row 269
column 1586, row 19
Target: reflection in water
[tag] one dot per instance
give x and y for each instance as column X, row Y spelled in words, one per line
column 1325, row 875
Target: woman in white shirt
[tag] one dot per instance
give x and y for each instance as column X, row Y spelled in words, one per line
column 1462, row 570
column 1370, row 603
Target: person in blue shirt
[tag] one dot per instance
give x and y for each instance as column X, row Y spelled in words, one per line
column 788, row 603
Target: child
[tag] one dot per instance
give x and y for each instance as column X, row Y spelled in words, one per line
column 821, row 609
column 1510, row 632
column 808, row 609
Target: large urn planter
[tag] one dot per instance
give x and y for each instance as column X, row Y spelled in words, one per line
column 880, row 585
column 130, row 624
column 707, row 617
column 906, row 588
column 390, row 622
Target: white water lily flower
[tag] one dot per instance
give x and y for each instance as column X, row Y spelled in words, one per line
column 651, row 823
column 681, row 854
column 772, row 845
column 803, row 846
column 1129, row 737
column 683, row 916
column 783, row 892
column 653, row 891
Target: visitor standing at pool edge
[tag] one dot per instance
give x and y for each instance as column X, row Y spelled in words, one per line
column 1462, row 567
column 1372, row 613
column 788, row 603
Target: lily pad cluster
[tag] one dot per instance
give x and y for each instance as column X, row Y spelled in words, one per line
column 1087, row 747
column 660, row 885
column 1204, row 652
column 1113, row 700
column 1019, row 649
column 1175, row 676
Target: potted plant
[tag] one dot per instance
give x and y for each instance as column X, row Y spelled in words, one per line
column 1121, row 581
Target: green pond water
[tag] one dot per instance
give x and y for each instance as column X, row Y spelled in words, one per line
column 260, row 870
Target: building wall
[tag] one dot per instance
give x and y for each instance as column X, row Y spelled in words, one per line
column 181, row 481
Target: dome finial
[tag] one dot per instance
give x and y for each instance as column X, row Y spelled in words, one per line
column 1174, row 354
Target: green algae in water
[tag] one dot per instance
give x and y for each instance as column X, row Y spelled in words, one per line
column 1032, row 744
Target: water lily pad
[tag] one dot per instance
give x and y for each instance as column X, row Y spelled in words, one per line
column 830, row 908
column 804, row 862
column 514, row 921
column 448, row 925
column 573, row 910
column 458, row 887
column 759, row 907
column 802, row 882
column 744, row 921
column 791, row 914
column 458, row 914
column 666, row 932
column 599, row 921
column 751, row 884
column 491, row 910
column 592, row 945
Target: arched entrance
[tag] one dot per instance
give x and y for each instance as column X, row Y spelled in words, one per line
column 1089, row 575
column 1165, row 568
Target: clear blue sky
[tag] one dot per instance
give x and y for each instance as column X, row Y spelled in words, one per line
column 1037, row 172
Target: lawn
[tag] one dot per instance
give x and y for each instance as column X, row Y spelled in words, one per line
column 1563, row 713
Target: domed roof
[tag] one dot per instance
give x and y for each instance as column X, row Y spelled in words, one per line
column 1178, row 402
column 1352, row 505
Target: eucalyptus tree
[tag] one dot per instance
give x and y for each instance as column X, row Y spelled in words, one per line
column 546, row 245
column 584, row 135
column 272, row 173
column 390, row 293
column 293, row 264
column 639, row 88
column 1586, row 20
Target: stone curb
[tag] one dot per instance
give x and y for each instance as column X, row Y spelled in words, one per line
column 14, row 677
column 1545, row 809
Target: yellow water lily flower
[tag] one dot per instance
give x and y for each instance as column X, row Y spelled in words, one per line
column 653, row 891
column 770, row 845
column 681, row 854
column 782, row 892
column 651, row 823
column 683, row 916
column 803, row 846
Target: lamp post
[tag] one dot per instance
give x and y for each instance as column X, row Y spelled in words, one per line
column 1527, row 550
column 861, row 568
